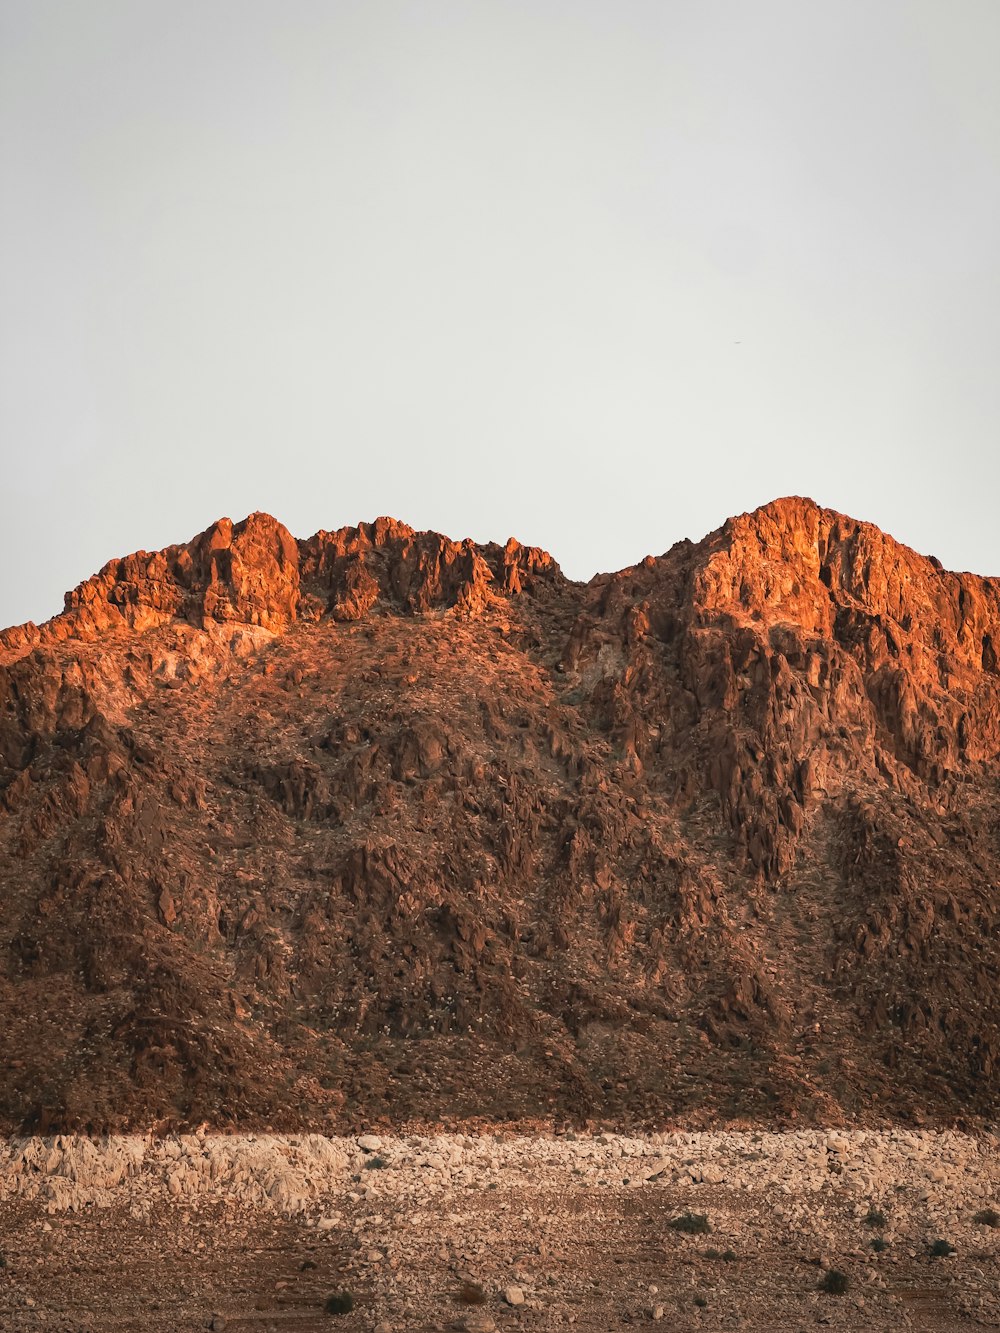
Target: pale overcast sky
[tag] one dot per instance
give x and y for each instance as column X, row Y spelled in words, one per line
column 595, row 273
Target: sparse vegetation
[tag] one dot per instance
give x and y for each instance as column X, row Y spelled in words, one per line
column 835, row 1283
column 941, row 1249
column 693, row 1224
column 875, row 1218
column 987, row 1217
column 879, row 1245
column 339, row 1302
column 471, row 1293
column 727, row 1256
column 700, row 1302
column 376, row 1164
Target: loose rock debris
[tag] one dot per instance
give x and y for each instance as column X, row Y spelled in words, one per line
column 256, row 1232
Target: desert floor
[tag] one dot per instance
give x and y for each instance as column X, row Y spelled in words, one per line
column 256, row 1232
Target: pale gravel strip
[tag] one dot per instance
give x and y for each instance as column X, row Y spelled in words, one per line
column 948, row 1173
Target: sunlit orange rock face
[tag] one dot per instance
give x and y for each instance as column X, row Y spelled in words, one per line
column 383, row 827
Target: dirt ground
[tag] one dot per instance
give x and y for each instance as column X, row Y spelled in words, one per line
column 548, row 1235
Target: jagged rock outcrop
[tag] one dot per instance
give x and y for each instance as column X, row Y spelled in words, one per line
column 378, row 824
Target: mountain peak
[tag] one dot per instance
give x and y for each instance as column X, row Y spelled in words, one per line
column 256, row 573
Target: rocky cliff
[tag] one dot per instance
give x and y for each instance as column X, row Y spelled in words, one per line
column 377, row 826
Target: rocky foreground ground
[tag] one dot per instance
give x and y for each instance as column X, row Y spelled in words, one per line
column 695, row 1231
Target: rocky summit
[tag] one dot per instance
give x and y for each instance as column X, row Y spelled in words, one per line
column 379, row 828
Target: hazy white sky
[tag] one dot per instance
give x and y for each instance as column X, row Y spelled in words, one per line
column 595, row 274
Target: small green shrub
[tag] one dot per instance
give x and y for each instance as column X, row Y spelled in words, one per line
column 339, row 1302
column 987, row 1217
column 376, row 1164
column 694, row 1224
column 940, row 1249
column 879, row 1245
column 875, row 1218
column 700, row 1302
column 835, row 1283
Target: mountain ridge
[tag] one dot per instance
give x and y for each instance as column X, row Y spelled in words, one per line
column 219, row 535
column 712, row 837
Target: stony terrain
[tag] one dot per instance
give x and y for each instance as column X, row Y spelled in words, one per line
column 136, row 1234
column 378, row 828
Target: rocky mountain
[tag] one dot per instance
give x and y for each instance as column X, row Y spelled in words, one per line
column 378, row 827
